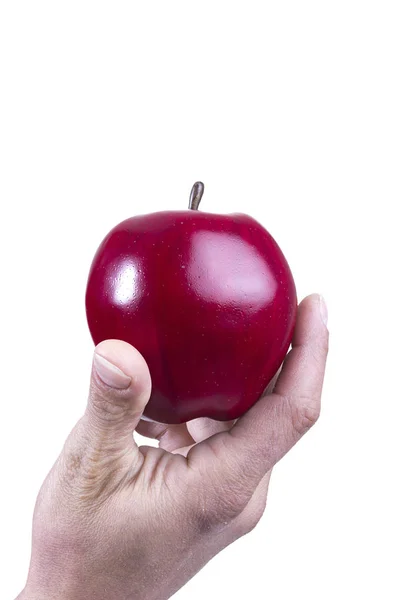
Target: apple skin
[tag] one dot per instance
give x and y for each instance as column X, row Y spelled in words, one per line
column 210, row 302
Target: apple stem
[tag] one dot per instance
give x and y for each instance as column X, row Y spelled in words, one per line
column 196, row 195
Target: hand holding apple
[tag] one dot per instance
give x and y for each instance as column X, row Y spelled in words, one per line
column 113, row 520
column 208, row 300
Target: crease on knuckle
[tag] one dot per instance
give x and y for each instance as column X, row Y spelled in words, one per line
column 305, row 411
column 113, row 407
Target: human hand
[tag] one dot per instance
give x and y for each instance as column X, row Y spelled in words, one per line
column 115, row 521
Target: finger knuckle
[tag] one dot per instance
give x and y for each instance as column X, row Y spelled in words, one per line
column 111, row 405
column 305, row 413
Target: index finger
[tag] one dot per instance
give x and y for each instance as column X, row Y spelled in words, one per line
column 276, row 422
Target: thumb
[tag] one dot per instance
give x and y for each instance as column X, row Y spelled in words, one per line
column 120, row 388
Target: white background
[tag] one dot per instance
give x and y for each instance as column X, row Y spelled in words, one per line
column 288, row 111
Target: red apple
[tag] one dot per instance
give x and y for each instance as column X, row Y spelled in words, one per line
column 209, row 301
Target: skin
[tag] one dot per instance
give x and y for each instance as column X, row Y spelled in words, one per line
column 118, row 521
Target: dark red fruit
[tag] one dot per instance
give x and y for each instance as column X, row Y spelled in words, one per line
column 209, row 300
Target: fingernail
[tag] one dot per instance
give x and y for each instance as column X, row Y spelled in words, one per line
column 110, row 374
column 323, row 310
